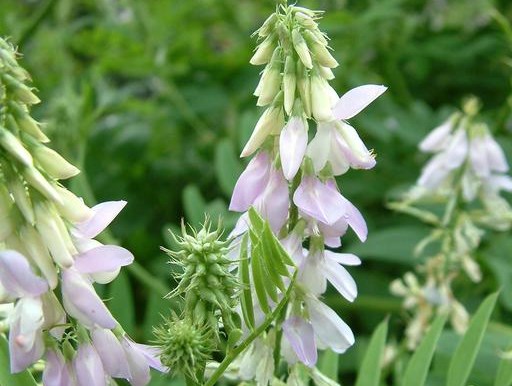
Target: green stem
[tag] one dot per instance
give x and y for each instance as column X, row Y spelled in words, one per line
column 231, row 356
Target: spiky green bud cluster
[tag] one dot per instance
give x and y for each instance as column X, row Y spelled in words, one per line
column 185, row 345
column 206, row 280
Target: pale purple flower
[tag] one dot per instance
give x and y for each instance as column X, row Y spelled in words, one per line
column 318, row 200
column 26, row 343
column 486, row 155
column 292, row 145
column 104, row 214
column 87, row 366
column 111, row 353
column 321, row 266
column 17, row 277
column 251, row 182
column 81, row 301
column 354, row 101
column 438, row 138
column 140, row 358
column 56, row 372
column 300, row 335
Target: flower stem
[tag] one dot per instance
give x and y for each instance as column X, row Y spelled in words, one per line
column 231, row 356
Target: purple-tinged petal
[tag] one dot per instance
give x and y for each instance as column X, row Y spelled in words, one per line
column 342, row 258
column 340, row 279
column 300, row 334
column 499, row 182
column 329, row 328
column 17, row 276
column 151, row 354
column 437, row 139
column 292, row 146
column 356, row 221
column 104, row 214
column 81, row 301
column 88, row 368
column 104, row 258
column 355, row 100
column 111, row 353
column 251, row 183
column 274, row 202
column 311, row 275
column 434, row 172
column 26, row 343
column 478, row 157
column 139, row 368
column 353, row 148
column 495, row 155
column 55, row 372
column 317, row 200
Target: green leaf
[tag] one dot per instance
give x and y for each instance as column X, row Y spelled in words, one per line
column 227, row 165
column 369, row 372
column 194, row 205
column 417, row 368
column 246, row 298
column 328, row 364
column 275, row 250
column 259, row 280
column 257, row 222
column 504, row 374
column 465, row 353
column 271, row 267
column 6, row 378
column 121, row 302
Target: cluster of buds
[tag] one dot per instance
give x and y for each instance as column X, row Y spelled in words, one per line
column 47, row 245
column 465, row 175
column 210, row 291
column 291, row 182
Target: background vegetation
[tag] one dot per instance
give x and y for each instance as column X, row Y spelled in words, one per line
column 153, row 100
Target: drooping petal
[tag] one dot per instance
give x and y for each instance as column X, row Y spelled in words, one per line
column 151, row 354
column 353, row 148
column 332, row 233
column 55, row 372
column 111, row 353
column 329, row 328
column 274, row 202
column 434, row 172
column 139, row 368
column 355, row 100
column 340, row 279
column 355, row 220
column 17, row 276
column 342, row 258
column 317, row 200
column 318, row 148
column 292, row 146
column 104, row 214
column 437, row 139
column 88, row 367
column 301, row 336
column 104, row 258
column 251, row 182
column 81, row 301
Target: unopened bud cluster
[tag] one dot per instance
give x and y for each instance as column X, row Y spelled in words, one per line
column 466, row 174
column 206, row 280
column 47, row 245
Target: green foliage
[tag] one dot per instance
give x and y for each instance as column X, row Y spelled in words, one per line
column 369, row 372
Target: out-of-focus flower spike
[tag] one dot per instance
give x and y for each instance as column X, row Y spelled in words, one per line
column 438, row 138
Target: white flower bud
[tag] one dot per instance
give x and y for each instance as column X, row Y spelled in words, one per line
column 47, row 226
column 301, row 48
column 289, row 84
column 21, row 199
column 472, row 269
column 20, row 90
column 54, row 164
column 270, row 82
column 268, row 25
column 304, row 87
column 305, row 20
column 39, row 254
column 36, row 179
column 398, row 288
column 320, row 51
column 26, row 123
column 14, row 147
column 263, row 52
column 271, row 121
column 321, row 104
column 326, row 72
column 72, row 207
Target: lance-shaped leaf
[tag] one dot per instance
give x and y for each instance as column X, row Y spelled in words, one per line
column 369, row 372
column 245, row 280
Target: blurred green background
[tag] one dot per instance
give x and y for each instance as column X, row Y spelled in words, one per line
column 153, row 100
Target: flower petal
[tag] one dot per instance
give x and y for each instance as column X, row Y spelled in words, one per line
column 339, row 277
column 17, row 276
column 318, row 148
column 342, row 258
column 355, row 220
column 251, row 183
column 104, row 258
column 292, row 146
column 274, row 202
column 329, row 328
column 355, row 100
column 111, row 353
column 301, row 336
column 438, row 138
column 81, row 301
column 55, row 372
column 88, row 367
column 104, row 214
column 319, row 201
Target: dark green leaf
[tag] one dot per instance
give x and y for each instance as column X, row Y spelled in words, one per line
column 259, row 280
column 246, row 298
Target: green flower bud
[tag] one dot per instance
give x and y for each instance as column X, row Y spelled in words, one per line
column 300, row 46
column 289, row 84
column 185, row 346
column 263, row 52
column 14, row 147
